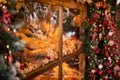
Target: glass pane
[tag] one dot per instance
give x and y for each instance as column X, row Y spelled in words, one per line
column 41, row 34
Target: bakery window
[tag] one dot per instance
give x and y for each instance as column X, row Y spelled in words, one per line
column 52, row 36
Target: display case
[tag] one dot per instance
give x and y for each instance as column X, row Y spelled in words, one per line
column 54, row 34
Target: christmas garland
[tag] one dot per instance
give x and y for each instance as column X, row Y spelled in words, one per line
column 102, row 62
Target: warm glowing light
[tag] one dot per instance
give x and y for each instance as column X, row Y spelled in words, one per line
column 118, row 1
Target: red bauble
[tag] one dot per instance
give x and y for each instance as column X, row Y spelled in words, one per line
column 96, row 29
column 96, row 51
column 93, row 36
column 48, row 57
column 107, row 64
column 105, row 47
column 100, row 72
column 89, row 58
column 91, row 74
column 10, row 57
column 114, row 46
column 117, row 46
column 92, row 20
column 106, row 77
column 6, row 18
column 115, row 74
column 96, row 20
column 103, row 14
column 106, row 53
column 114, row 25
column 107, row 37
column 75, row 38
column 111, row 55
column 96, row 16
column 108, row 27
column 104, row 6
column 103, row 52
column 105, row 22
column 101, row 3
column 118, row 62
column 109, row 71
column 117, row 40
column 22, row 67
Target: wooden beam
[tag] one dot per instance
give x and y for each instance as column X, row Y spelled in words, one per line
column 66, row 3
column 60, row 41
column 31, row 75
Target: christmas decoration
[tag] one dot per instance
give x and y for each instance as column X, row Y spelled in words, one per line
column 100, row 72
column 102, row 52
column 100, row 66
column 9, row 44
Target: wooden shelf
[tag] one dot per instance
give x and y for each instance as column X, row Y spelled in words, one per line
column 41, row 70
column 66, row 3
column 58, row 62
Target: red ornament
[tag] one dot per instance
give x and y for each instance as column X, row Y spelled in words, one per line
column 96, row 51
column 114, row 25
column 93, row 36
column 117, row 46
column 101, row 3
column 103, row 14
column 6, row 18
column 91, row 74
column 103, row 52
column 105, row 47
column 117, row 40
column 108, row 27
column 74, row 37
column 104, row 6
column 100, row 72
column 106, row 53
column 118, row 62
column 89, row 58
column 97, row 5
column 48, row 57
column 109, row 71
column 105, row 22
column 107, row 64
column 114, row 46
column 92, row 20
column 10, row 57
column 96, row 20
column 96, row 15
column 105, row 78
column 96, row 29
column 116, row 68
column 22, row 66
column 111, row 55
column 107, row 37
column 115, row 74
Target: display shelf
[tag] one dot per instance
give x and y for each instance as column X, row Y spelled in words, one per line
column 43, row 69
column 58, row 62
column 66, row 3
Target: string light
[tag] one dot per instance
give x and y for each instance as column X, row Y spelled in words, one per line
column 8, row 46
